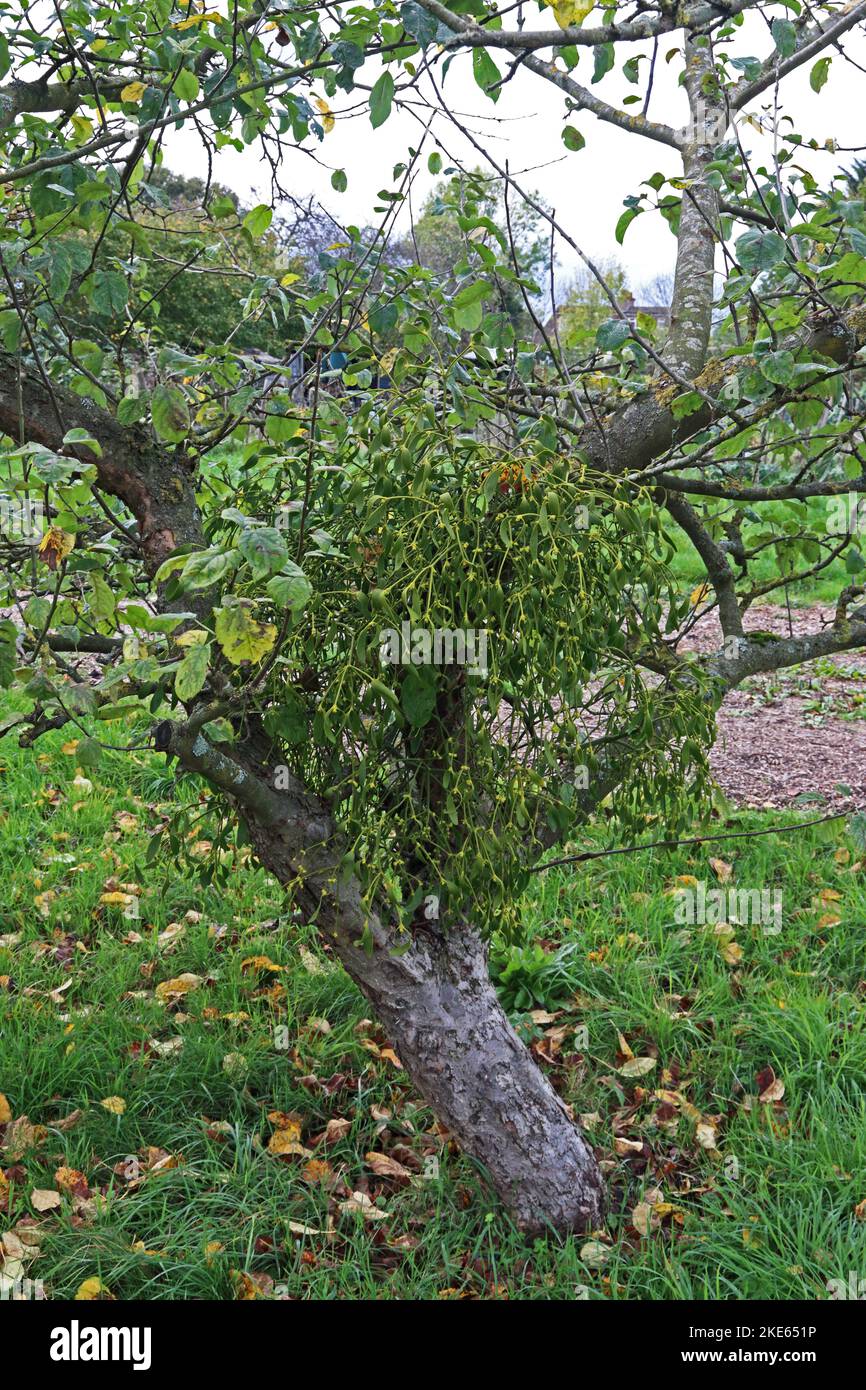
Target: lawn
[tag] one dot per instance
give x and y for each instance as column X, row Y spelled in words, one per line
column 720, row 1070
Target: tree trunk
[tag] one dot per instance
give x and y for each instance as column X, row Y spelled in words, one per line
column 432, row 992
column 464, row 1057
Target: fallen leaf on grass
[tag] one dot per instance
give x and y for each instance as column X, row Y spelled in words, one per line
column 628, row 1146
column 73, row 1183
column 637, row 1066
column 386, row 1167
column 335, row 1130
column 180, row 985
column 360, row 1204
column 45, row 1199
column 22, row 1136
column 116, row 1105
column 770, row 1088
column 594, row 1254
column 706, row 1136
column 259, row 963
column 5, row 1110
column 251, row 1286
column 94, row 1290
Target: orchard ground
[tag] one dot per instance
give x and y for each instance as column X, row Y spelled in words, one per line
column 246, row 1130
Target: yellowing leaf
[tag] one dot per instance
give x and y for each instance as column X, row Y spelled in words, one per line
column 5, row 1110
column 283, row 1144
column 55, row 546
column 181, row 984
column 92, row 1290
column 133, row 91
column 210, row 16
column 259, row 963
column 572, row 12
column 115, row 1104
column 328, row 121
column 82, row 127
column 241, row 636
column 699, row 594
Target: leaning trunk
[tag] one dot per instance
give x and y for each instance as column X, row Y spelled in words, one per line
column 466, row 1060
column 453, row 1038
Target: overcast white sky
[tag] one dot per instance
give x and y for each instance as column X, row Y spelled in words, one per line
column 586, row 188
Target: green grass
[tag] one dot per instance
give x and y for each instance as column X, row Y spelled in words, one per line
column 784, row 519
column 770, row 1213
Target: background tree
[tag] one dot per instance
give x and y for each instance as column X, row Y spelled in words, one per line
column 233, row 590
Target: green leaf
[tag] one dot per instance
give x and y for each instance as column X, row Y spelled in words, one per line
column 339, row 181
column 784, row 36
column 572, row 138
column 186, row 85
column 381, row 98
column 8, row 638
column 289, row 720
column 418, row 695
column 819, row 74
column 777, row 367
column 686, row 404
column 88, row 753
column 466, row 310
column 191, row 674
column 625, row 222
column 206, row 568
column 170, row 413
column 81, row 436
column 604, row 61
column 103, row 602
column 131, row 409
column 108, row 292
column 486, row 73
column 290, row 589
column 418, row 22
column 264, row 550
column 258, row 220
column 612, row 334
column 760, row 250
column 434, row 162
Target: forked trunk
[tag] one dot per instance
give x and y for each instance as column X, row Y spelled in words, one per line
column 464, row 1057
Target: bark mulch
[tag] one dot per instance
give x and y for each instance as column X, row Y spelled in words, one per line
column 794, row 733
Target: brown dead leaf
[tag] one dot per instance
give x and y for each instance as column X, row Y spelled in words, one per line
column 637, row 1066
column 386, row 1167
column 628, row 1146
column 45, row 1199
column 360, row 1204
column 335, row 1131
column 73, row 1183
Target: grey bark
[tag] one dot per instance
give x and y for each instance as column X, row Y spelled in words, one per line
column 435, row 999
